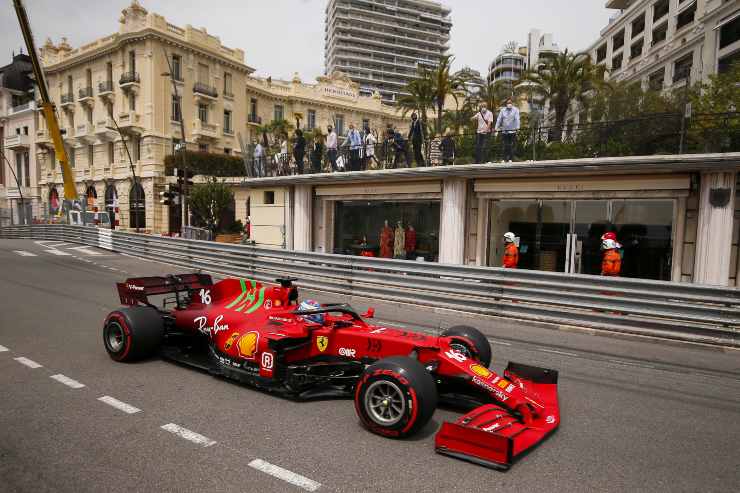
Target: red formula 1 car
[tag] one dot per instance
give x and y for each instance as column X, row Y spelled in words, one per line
column 260, row 336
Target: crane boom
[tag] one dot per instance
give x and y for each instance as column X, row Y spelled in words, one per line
column 70, row 192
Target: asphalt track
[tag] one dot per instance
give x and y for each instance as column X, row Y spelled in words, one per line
column 637, row 414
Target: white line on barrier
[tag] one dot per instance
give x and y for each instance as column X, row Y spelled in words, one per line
column 3, row 349
column 188, row 435
column 28, row 362
column 285, row 475
column 120, row 405
column 67, row 381
column 553, row 351
column 24, row 253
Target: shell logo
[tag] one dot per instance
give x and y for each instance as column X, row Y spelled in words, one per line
column 480, row 370
column 248, row 345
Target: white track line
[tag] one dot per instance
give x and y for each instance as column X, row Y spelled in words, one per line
column 28, row 362
column 24, row 253
column 58, row 252
column 500, row 343
column 285, row 475
column 67, row 381
column 120, row 405
column 188, row 435
column 553, row 351
column 3, row 349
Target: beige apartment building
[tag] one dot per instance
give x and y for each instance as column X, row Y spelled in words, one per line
column 124, row 75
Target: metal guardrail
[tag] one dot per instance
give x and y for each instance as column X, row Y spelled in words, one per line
column 689, row 312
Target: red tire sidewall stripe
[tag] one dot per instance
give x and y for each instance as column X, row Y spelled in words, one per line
column 118, row 317
column 360, row 408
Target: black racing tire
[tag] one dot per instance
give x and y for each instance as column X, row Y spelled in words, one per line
column 132, row 333
column 411, row 397
column 482, row 346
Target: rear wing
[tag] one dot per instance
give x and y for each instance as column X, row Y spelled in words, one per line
column 136, row 290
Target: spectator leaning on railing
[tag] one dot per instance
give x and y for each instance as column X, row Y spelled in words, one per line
column 331, row 147
column 259, row 159
column 416, row 136
column 371, row 162
column 299, row 149
column 447, row 146
column 484, row 117
column 508, row 124
column 354, row 141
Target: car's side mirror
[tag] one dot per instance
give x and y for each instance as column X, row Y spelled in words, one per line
column 369, row 314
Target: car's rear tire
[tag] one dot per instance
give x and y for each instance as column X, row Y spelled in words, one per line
column 132, row 333
column 482, row 349
column 395, row 397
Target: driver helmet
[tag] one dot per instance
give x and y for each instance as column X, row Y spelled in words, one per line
column 611, row 235
column 312, row 305
column 509, row 237
column 608, row 245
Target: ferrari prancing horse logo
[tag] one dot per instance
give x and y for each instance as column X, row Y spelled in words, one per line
column 322, row 342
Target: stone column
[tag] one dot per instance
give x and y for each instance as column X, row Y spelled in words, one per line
column 714, row 232
column 302, row 204
column 452, row 222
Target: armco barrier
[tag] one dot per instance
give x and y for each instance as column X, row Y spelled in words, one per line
column 698, row 313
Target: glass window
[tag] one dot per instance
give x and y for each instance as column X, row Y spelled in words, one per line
column 136, row 144
column 655, row 81
column 203, row 147
column 177, row 67
column 339, row 124
column 111, row 152
column 729, row 33
column 71, row 156
column 227, row 84
column 137, row 207
column 278, row 113
column 52, row 158
column 311, row 119
column 203, row 74
column 227, row 121
column 686, row 16
column 176, row 108
column 132, row 102
column 132, row 61
column 253, row 107
column 408, row 230
column 90, row 155
column 203, row 113
column 682, row 67
column 644, row 228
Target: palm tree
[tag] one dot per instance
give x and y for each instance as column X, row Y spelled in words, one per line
column 446, row 84
column 420, row 96
column 566, row 78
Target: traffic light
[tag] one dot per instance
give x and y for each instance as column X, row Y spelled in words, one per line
column 171, row 196
column 180, row 173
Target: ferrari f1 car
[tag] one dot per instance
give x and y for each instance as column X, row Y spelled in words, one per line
column 259, row 335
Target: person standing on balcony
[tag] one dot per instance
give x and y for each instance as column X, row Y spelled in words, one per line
column 511, row 252
column 354, row 141
column 484, row 117
column 508, row 124
column 416, row 136
column 318, row 151
column 299, row 149
column 447, row 146
column 371, row 162
column 259, row 160
column 331, row 147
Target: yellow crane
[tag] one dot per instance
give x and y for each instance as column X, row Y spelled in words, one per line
column 70, row 192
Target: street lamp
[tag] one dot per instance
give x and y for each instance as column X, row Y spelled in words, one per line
column 183, row 146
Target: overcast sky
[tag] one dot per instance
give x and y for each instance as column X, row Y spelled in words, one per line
column 280, row 37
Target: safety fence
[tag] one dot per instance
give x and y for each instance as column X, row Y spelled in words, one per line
column 682, row 311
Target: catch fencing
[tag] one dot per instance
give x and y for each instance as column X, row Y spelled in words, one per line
column 681, row 311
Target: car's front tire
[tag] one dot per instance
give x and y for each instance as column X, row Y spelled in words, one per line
column 132, row 333
column 395, row 397
column 481, row 347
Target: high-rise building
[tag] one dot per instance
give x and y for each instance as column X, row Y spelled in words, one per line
column 380, row 44
column 540, row 47
column 664, row 43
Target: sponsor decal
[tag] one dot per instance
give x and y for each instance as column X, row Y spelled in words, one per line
column 250, row 299
column 205, row 296
column 268, row 304
column 227, row 361
column 280, row 319
column 322, row 342
column 347, row 352
column 454, row 355
column 480, row 370
column 231, row 340
column 492, row 427
column 499, row 395
column 202, row 325
column 550, row 420
column 510, row 388
column 374, row 346
column 267, row 361
column 503, row 383
column 378, row 330
column 248, row 345
column 134, row 287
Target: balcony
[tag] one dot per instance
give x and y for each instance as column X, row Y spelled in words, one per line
column 129, row 81
column 130, row 122
column 204, row 92
column 30, row 105
column 67, row 132
column 17, row 142
column 254, row 119
column 204, row 131
column 105, row 129
column 84, row 133
column 85, row 94
column 68, row 101
column 43, row 138
column 14, row 193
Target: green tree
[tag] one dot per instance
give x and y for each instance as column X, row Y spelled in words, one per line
column 446, row 84
column 208, row 201
column 565, row 79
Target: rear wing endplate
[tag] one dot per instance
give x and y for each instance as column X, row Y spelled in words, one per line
column 136, row 290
